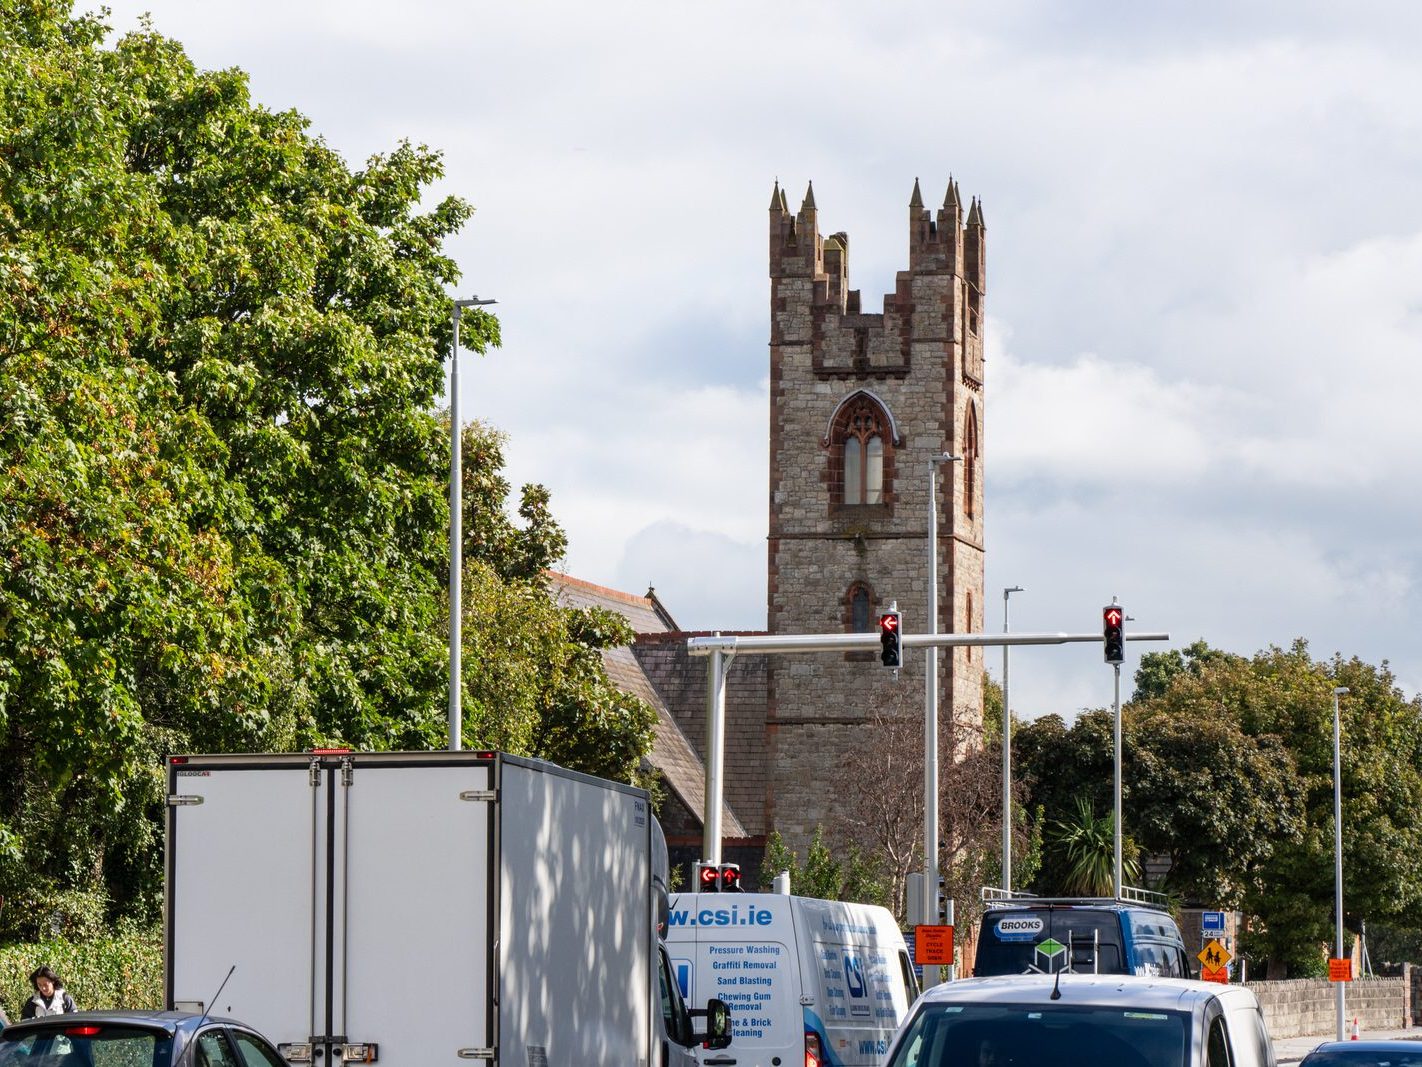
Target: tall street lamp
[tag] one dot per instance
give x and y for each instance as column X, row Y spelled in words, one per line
column 1006, row 755
column 456, row 532
column 1338, row 848
column 930, row 717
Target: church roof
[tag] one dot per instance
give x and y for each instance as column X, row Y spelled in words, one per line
column 672, row 753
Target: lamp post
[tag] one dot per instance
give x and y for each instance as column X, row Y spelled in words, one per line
column 1338, row 847
column 1006, row 755
column 931, row 974
column 456, row 532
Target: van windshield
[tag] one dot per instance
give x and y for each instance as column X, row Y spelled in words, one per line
column 1042, row 1035
column 1023, row 940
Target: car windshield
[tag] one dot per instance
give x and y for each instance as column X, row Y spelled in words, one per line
column 1361, row 1057
column 1042, row 1035
column 85, row 1045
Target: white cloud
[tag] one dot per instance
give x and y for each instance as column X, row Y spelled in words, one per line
column 707, row 580
column 1204, row 239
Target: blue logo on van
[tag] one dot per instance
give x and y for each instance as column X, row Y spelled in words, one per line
column 683, row 977
column 853, row 975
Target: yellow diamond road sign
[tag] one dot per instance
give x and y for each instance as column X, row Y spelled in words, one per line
column 1214, row 955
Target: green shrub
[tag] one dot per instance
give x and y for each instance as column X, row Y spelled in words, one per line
column 42, row 911
column 123, row 971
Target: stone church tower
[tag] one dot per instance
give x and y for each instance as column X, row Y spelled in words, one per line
column 859, row 402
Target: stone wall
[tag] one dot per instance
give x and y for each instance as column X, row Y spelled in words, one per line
column 916, row 370
column 1303, row 1007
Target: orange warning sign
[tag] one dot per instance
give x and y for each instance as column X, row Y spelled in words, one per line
column 1214, row 955
column 1215, row 974
column 933, row 945
column 1340, row 970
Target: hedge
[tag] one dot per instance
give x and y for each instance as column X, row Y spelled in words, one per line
column 103, row 972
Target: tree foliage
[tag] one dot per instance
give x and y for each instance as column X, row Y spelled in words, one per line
column 1228, row 776
column 223, row 480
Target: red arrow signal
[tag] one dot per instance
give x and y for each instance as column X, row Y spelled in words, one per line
column 1113, row 616
column 889, row 622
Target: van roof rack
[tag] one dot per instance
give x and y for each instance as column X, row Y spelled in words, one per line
column 996, row 897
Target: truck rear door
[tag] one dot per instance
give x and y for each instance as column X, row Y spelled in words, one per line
column 413, row 910
column 352, row 892
column 242, row 891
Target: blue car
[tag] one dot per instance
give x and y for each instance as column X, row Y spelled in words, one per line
column 1365, row 1054
column 134, row 1039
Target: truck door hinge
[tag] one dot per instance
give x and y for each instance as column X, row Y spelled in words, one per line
column 314, row 773
column 475, row 1054
column 177, row 800
column 479, row 794
column 347, row 772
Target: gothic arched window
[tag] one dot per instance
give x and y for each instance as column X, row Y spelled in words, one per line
column 968, row 624
column 860, row 432
column 970, row 459
column 860, row 606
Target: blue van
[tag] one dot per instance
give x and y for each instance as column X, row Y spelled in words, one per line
column 1022, row 934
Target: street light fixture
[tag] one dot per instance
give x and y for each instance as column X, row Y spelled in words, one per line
column 456, row 531
column 930, row 718
column 1338, row 847
column 1006, row 755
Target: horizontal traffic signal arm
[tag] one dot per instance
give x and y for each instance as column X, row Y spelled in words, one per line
column 770, row 644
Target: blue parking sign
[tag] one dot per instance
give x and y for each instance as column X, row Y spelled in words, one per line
column 1212, row 922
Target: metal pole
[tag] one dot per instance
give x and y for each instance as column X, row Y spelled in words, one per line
column 1338, row 848
column 456, row 532
column 1117, row 785
column 931, row 974
column 456, row 538
column 715, row 748
column 1006, row 755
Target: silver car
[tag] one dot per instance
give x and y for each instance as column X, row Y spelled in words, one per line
column 1072, row 1020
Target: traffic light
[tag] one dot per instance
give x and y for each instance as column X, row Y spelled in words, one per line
column 708, row 878
column 718, row 878
column 1113, row 625
column 890, row 649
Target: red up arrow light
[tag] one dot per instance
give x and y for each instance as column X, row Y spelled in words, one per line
column 1113, row 618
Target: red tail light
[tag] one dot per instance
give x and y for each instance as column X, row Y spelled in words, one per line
column 812, row 1049
column 81, row 1031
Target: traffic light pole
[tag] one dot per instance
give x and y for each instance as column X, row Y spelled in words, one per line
column 1116, row 790
column 720, row 648
column 718, row 668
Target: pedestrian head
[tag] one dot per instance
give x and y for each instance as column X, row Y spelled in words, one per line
column 45, row 981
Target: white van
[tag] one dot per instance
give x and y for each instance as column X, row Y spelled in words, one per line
column 809, row 983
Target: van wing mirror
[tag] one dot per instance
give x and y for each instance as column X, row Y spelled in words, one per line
column 718, row 1024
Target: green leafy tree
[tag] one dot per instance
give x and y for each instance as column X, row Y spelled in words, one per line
column 1287, row 694
column 829, row 873
column 1228, row 773
column 223, row 503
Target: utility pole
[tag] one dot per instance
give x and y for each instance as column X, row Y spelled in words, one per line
column 1006, row 754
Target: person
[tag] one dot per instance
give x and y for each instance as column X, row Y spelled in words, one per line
column 50, row 997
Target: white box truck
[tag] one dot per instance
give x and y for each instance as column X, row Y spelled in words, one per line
column 423, row 908
column 809, row 982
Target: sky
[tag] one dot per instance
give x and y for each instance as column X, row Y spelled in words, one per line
column 1204, row 299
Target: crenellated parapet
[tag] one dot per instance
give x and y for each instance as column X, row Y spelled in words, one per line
column 938, row 298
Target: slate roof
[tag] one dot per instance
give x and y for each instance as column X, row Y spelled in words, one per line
column 672, row 753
